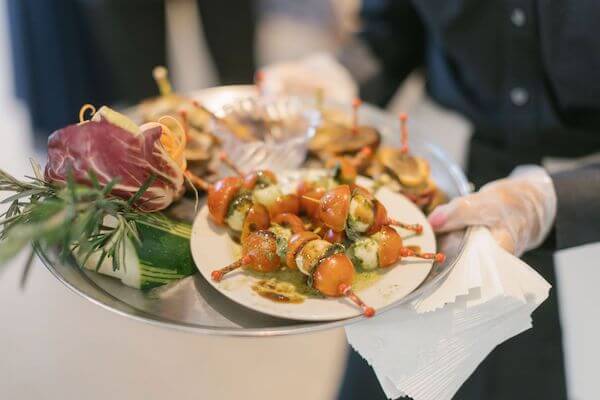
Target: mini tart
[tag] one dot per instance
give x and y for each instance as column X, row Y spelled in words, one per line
column 408, row 170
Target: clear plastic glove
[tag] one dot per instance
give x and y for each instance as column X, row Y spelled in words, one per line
column 320, row 71
column 519, row 210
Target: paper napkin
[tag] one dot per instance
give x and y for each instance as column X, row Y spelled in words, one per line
column 428, row 349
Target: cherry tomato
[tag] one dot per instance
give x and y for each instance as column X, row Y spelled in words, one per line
column 346, row 172
column 290, row 220
column 220, row 196
column 295, row 244
column 257, row 219
column 331, row 273
column 260, row 249
column 261, row 176
column 334, row 207
column 390, row 245
column 304, row 187
column 311, row 208
column 334, row 237
column 288, row 203
column 381, row 218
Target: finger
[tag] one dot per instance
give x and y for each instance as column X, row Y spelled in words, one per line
column 459, row 213
column 504, row 239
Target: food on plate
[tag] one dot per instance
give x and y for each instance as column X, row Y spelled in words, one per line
column 411, row 174
column 114, row 149
column 345, row 169
column 384, row 249
column 161, row 256
column 104, row 181
column 333, row 138
column 201, row 144
column 351, row 230
column 355, row 211
column 327, row 268
column 247, row 203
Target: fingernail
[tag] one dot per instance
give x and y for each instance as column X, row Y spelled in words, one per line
column 438, row 218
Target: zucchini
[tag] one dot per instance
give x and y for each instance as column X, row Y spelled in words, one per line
column 162, row 257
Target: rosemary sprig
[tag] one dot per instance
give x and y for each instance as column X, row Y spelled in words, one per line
column 74, row 217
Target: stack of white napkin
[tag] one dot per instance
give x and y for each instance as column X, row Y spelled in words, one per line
column 428, row 349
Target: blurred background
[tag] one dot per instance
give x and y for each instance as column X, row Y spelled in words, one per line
column 56, row 55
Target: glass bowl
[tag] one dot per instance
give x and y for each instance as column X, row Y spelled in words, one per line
column 260, row 133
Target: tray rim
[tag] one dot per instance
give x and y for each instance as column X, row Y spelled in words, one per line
column 48, row 258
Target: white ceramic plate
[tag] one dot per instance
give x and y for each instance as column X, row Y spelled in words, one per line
column 212, row 248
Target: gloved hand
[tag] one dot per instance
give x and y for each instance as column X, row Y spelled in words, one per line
column 519, row 210
column 304, row 77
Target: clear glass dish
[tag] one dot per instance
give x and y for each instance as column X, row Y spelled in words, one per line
column 261, row 133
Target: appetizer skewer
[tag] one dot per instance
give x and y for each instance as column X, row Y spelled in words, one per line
column 383, row 249
column 355, row 211
column 242, row 207
column 328, row 269
column 263, row 184
column 410, row 173
column 336, row 138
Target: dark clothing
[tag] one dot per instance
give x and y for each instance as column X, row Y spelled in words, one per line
column 56, row 70
column 524, row 72
column 70, row 52
column 529, row 366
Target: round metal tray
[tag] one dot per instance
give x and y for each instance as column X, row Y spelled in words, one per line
column 192, row 304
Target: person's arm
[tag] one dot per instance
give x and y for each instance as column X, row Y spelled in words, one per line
column 522, row 209
column 578, row 211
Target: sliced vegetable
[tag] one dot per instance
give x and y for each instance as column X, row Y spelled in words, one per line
column 163, row 256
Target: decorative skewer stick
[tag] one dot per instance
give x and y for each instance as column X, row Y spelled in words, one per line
column 347, row 291
column 417, row 228
column 161, row 76
column 356, row 103
column 437, row 257
column 230, row 164
column 218, row 274
column 312, row 199
column 259, row 80
column 197, row 181
column 185, row 123
column 362, row 156
column 202, row 107
column 403, row 133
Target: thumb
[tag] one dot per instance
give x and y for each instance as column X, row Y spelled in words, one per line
column 505, row 240
column 459, row 213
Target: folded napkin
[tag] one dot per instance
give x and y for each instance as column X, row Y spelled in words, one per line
column 428, row 349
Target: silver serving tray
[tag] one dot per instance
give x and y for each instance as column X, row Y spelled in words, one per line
column 192, row 304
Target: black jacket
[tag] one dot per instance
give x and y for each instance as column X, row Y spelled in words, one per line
column 525, row 72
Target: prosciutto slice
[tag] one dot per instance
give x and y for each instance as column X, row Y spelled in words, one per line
column 110, row 152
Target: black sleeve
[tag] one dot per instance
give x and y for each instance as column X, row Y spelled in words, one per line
column 393, row 31
column 578, row 213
